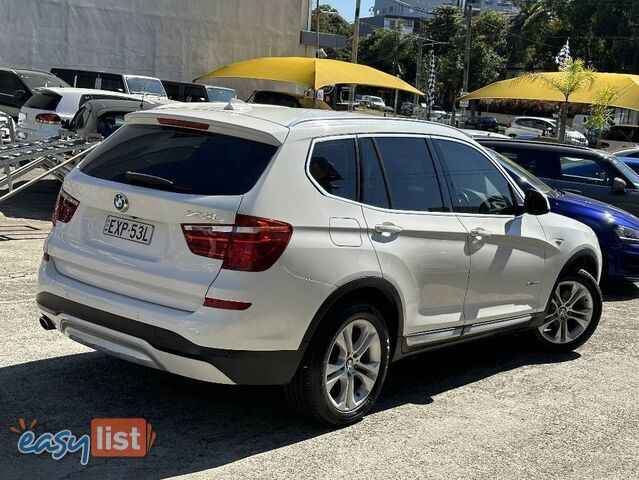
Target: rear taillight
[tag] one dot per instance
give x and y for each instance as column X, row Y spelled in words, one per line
column 252, row 245
column 48, row 118
column 65, row 207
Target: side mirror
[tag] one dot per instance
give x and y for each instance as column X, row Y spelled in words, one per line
column 20, row 95
column 618, row 185
column 536, row 203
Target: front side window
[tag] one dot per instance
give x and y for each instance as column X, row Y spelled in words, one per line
column 476, row 184
column 584, row 170
column 334, row 166
column 412, row 181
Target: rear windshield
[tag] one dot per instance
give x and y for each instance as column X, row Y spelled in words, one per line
column 198, row 163
column 43, row 101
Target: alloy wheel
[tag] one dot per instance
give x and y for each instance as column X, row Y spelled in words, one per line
column 352, row 365
column 569, row 313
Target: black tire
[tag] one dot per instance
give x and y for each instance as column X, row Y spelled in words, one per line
column 307, row 395
column 588, row 281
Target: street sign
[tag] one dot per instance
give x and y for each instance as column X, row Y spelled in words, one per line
column 464, row 103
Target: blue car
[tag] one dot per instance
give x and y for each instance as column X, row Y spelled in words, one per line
column 616, row 229
column 630, row 157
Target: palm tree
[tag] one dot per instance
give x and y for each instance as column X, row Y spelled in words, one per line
column 573, row 76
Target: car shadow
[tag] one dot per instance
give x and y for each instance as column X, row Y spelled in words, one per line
column 200, row 425
column 35, row 202
column 619, row 291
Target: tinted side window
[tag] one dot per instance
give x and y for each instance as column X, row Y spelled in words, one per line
column 86, row 80
column 334, row 166
column 9, row 83
column 476, row 185
column 412, row 180
column 373, row 185
column 540, row 163
column 113, row 83
column 172, row 91
column 195, row 94
column 199, row 163
column 585, row 170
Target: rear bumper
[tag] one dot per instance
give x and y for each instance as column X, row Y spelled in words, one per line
column 164, row 349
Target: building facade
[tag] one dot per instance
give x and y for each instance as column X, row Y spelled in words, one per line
column 406, row 14
column 174, row 40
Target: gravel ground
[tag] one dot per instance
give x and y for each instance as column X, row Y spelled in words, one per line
column 493, row 409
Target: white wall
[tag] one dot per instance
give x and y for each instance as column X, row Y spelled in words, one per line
column 171, row 39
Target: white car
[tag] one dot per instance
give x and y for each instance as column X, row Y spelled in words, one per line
column 531, row 127
column 256, row 244
column 373, row 102
column 620, row 137
column 42, row 116
column 484, row 134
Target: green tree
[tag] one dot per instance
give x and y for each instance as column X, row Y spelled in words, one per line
column 601, row 115
column 332, row 22
column 574, row 75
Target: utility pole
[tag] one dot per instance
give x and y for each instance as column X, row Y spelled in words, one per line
column 351, row 91
column 317, row 44
column 469, row 17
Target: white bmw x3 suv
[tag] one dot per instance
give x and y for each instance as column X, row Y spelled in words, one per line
column 265, row 245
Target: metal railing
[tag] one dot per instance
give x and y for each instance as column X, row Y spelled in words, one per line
column 56, row 157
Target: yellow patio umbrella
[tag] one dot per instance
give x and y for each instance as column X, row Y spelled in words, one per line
column 312, row 72
column 520, row 88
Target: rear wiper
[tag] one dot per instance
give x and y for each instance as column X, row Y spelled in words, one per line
column 155, row 181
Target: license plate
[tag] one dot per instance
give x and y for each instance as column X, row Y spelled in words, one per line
column 128, row 229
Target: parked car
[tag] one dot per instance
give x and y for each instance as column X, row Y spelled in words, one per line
column 445, row 119
column 42, row 115
column 592, row 173
column 17, row 86
column 630, row 157
column 114, row 82
column 620, row 137
column 484, row 134
column 488, row 124
column 7, row 128
column 223, row 278
column 197, row 92
column 98, row 119
column 407, row 109
column 538, row 126
column 284, row 99
column 371, row 101
column 616, row 229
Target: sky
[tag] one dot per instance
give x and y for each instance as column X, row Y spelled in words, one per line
column 346, row 8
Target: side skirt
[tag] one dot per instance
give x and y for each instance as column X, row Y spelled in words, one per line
column 421, row 342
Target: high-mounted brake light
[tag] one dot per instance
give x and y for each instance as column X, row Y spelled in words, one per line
column 65, row 207
column 252, row 244
column 48, row 118
column 174, row 122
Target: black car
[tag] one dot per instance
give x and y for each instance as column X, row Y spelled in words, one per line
column 197, row 92
column 591, row 173
column 487, row 124
column 17, row 86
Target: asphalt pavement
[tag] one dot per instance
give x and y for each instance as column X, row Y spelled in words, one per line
column 495, row 409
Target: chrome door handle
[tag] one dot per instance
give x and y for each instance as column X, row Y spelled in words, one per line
column 387, row 228
column 480, row 233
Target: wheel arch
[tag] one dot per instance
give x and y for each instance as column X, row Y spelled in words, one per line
column 585, row 259
column 379, row 292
